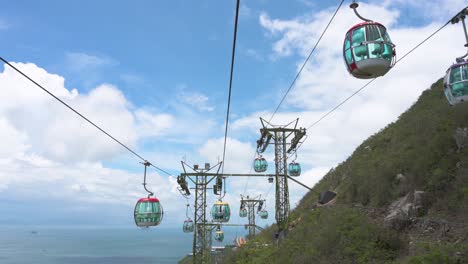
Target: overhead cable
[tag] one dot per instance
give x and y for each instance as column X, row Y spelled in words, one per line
column 306, row 60
column 369, row 82
column 230, row 82
column 81, row 115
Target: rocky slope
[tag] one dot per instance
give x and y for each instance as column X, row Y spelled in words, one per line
column 402, row 198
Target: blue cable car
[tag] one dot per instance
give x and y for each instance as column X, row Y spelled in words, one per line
column 220, row 212
column 260, row 164
column 294, row 169
column 368, row 51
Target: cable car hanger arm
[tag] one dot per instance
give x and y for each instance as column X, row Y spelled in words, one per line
column 354, row 6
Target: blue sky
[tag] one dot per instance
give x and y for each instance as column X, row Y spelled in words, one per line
column 155, row 74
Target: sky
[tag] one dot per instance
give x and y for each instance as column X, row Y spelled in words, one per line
column 155, row 75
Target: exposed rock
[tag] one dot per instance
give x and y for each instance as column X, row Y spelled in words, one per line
column 418, row 204
column 400, row 178
column 402, row 210
column 461, row 137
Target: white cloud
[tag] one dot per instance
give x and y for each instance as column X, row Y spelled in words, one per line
column 300, row 34
column 79, row 61
column 238, row 154
column 438, row 10
column 38, row 131
column 153, row 124
column 54, row 132
column 45, row 145
column 325, row 82
column 195, row 99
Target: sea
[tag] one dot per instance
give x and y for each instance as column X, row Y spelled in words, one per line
column 90, row 245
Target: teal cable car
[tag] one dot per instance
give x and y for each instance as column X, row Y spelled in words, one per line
column 260, row 164
column 148, row 211
column 368, row 51
column 456, row 83
column 219, row 235
column 188, row 226
column 243, row 212
column 456, row 77
column 263, row 214
column 294, row 169
column 220, row 212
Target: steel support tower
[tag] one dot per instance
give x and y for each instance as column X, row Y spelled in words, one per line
column 201, row 178
column 251, row 204
column 280, row 136
column 202, row 234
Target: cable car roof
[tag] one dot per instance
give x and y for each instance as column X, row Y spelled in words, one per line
column 364, row 24
column 147, row 199
column 455, row 65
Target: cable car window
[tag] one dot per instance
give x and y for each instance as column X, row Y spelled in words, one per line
column 358, row 36
column 375, row 50
column 349, row 57
column 142, row 208
column 387, row 52
column 465, row 72
column 372, row 33
column 360, row 51
column 385, row 34
column 455, row 75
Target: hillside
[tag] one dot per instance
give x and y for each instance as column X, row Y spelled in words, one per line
column 402, row 198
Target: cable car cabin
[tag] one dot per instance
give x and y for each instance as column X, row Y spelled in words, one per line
column 294, row 169
column 263, row 214
column 243, row 212
column 219, row 235
column 220, row 212
column 188, row 226
column 368, row 51
column 148, row 212
column 260, row 164
column 456, row 83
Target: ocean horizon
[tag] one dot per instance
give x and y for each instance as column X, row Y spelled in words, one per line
column 95, row 244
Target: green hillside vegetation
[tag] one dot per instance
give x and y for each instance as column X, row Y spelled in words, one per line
column 420, row 148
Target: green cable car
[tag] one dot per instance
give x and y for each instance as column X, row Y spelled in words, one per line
column 148, row 212
column 260, row 164
column 294, row 169
column 263, row 214
column 220, row 212
column 367, row 50
column 456, row 83
column 243, row 212
column 456, row 77
column 219, row 235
